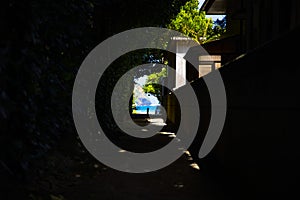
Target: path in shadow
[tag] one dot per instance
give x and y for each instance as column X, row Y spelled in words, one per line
column 77, row 176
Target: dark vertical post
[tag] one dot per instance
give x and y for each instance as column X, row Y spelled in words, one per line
column 130, row 104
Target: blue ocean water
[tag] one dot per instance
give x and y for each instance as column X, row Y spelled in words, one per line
column 143, row 109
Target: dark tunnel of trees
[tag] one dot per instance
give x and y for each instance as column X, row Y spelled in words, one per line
column 42, row 46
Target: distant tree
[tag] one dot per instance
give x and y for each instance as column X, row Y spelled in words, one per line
column 153, row 83
column 219, row 28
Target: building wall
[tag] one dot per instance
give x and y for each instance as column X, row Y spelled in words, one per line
column 175, row 80
column 258, row 147
column 268, row 19
column 258, row 151
column 259, row 21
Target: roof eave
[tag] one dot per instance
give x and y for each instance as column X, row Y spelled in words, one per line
column 214, row 7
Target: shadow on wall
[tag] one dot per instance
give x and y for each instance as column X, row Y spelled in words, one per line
column 258, row 151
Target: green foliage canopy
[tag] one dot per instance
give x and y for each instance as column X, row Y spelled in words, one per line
column 153, row 83
column 193, row 23
column 43, row 43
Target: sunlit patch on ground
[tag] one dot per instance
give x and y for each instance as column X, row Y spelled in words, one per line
column 195, row 166
column 157, row 122
column 169, row 134
column 189, row 157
